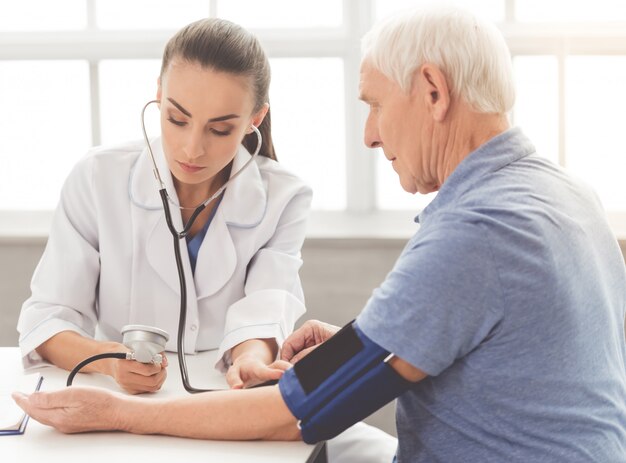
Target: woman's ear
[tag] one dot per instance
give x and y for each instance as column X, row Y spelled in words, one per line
column 159, row 92
column 436, row 93
column 258, row 117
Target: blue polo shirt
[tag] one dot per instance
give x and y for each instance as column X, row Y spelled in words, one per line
column 512, row 297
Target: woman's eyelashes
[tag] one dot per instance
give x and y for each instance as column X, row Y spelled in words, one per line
column 176, row 122
column 219, row 133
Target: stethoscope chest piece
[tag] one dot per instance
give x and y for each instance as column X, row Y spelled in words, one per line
column 146, row 342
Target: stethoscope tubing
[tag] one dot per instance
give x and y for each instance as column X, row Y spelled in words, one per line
column 178, row 235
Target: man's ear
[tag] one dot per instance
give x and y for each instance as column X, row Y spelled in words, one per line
column 431, row 83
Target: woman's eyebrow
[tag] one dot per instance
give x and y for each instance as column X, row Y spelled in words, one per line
column 213, row 119
column 179, row 107
column 223, row 118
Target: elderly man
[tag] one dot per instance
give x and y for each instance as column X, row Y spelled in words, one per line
column 504, row 313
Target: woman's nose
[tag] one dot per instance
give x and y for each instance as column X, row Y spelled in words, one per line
column 194, row 147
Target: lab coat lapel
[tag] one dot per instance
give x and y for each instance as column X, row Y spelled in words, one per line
column 160, row 253
column 217, row 257
column 158, row 239
column 143, row 187
column 243, row 206
column 246, row 196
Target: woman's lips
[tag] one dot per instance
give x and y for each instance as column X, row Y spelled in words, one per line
column 191, row 168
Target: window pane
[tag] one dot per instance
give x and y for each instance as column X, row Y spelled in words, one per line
column 595, row 97
column 390, row 194
column 42, row 15
column 489, row 9
column 308, row 128
column 149, row 14
column 125, row 87
column 570, row 10
column 45, row 132
column 537, row 102
column 282, row 13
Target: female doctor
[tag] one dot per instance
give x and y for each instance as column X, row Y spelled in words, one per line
column 109, row 261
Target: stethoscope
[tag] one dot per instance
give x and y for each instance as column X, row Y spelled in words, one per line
column 147, row 342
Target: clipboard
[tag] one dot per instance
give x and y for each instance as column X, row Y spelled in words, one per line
column 13, row 419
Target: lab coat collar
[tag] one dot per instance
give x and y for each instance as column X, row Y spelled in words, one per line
column 244, row 202
column 143, row 187
column 243, row 205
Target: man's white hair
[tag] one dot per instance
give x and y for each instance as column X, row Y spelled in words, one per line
column 471, row 53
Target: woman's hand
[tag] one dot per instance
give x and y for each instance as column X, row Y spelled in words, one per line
column 249, row 370
column 74, row 409
column 135, row 377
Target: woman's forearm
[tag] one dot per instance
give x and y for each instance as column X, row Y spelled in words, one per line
column 247, row 414
column 68, row 348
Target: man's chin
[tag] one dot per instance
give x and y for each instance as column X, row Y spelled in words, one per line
column 424, row 189
column 409, row 188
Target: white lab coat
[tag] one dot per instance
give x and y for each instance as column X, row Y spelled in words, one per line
column 109, row 260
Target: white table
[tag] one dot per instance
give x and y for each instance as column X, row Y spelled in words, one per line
column 46, row 445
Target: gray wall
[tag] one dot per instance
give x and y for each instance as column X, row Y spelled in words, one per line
column 17, row 262
column 338, row 276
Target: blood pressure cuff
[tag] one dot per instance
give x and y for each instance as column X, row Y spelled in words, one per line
column 339, row 383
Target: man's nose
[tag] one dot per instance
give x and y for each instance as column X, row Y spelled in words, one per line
column 371, row 135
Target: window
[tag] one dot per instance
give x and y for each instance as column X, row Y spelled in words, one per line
column 595, row 96
column 286, row 14
column 147, row 14
column 308, row 126
column 125, row 87
column 76, row 73
column 45, row 104
column 537, row 101
column 43, row 15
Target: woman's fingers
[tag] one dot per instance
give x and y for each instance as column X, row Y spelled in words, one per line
column 233, row 377
column 135, row 377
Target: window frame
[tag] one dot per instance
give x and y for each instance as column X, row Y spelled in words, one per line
column 555, row 39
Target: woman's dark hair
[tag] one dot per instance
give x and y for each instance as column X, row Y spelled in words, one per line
column 226, row 47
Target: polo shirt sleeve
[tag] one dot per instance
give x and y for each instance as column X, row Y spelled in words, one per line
column 441, row 300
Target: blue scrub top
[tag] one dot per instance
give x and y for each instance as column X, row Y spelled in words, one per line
column 194, row 243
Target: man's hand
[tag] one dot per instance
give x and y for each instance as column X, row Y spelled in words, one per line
column 75, row 409
column 306, row 338
column 135, row 377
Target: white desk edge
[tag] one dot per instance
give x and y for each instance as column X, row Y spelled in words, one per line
column 43, row 443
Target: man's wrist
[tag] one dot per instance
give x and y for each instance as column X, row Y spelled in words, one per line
column 125, row 412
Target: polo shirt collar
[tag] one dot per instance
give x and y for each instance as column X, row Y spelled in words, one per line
column 500, row 151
